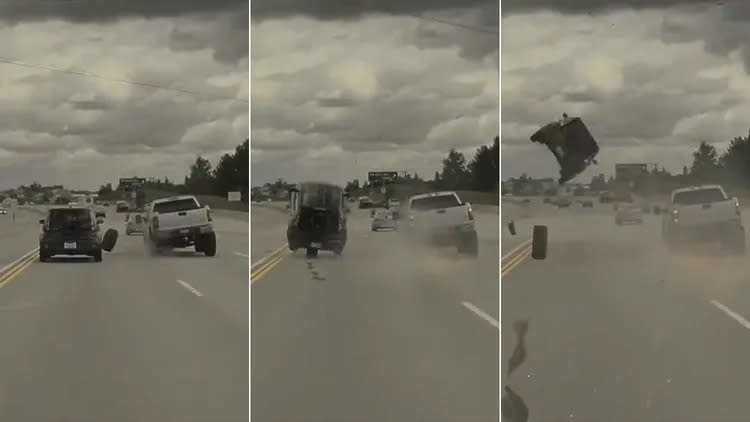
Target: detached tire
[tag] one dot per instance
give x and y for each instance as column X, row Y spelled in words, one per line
column 208, row 244
column 539, row 243
column 109, row 240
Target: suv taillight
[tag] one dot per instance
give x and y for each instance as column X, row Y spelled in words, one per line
column 155, row 221
column 471, row 214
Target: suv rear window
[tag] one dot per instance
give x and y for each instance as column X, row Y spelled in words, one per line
column 70, row 219
column 435, row 203
column 702, row 196
column 176, row 206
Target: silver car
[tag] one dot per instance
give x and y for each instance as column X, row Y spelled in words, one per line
column 628, row 214
column 383, row 219
column 135, row 223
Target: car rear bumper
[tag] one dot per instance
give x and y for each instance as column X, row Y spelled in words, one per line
column 702, row 232
column 58, row 247
column 328, row 241
column 184, row 234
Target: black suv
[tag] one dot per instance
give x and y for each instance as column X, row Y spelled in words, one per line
column 70, row 231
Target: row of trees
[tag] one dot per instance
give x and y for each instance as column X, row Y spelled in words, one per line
column 481, row 174
column 230, row 174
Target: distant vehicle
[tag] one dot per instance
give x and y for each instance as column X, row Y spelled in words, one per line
column 317, row 218
column 122, row 206
column 71, row 231
column 384, row 220
column 587, row 204
column 365, row 202
column 563, row 202
column 571, row 143
column 3, row 211
column 628, row 214
column 606, row 197
column 444, row 219
column 393, row 203
column 135, row 223
column 704, row 213
column 179, row 222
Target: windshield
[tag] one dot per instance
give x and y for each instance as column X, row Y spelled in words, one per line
column 434, row 202
column 176, row 206
column 70, row 219
column 698, row 196
column 320, row 196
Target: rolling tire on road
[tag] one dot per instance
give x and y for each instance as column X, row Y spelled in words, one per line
column 98, row 256
column 109, row 240
column 539, row 243
column 311, row 253
column 208, row 244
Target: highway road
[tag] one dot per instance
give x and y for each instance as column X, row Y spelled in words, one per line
column 133, row 338
column 621, row 329
column 389, row 331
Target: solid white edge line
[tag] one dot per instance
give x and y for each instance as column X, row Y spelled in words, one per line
column 481, row 314
column 190, row 288
column 516, row 249
column 734, row 315
column 242, row 254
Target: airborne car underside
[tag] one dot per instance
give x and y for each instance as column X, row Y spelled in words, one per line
column 571, row 143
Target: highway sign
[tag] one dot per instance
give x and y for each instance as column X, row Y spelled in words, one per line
column 377, row 177
column 234, row 196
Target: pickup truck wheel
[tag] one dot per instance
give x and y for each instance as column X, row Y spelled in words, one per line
column 208, row 244
column 468, row 244
column 43, row 257
column 150, row 245
column 98, row 256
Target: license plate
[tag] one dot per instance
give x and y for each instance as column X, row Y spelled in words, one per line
column 184, row 231
column 316, row 245
column 70, row 245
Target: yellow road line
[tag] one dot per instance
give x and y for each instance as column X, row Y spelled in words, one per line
column 516, row 260
column 18, row 269
column 265, row 268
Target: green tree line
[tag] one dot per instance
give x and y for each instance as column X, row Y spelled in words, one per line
column 231, row 174
column 481, row 174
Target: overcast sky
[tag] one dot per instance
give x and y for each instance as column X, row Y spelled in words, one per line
column 340, row 88
column 650, row 82
column 85, row 131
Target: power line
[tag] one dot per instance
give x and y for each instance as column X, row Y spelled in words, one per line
column 123, row 81
column 473, row 28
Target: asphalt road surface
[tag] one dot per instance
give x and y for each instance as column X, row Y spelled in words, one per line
column 389, row 331
column 621, row 329
column 133, row 338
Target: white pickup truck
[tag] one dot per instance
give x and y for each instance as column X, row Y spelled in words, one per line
column 443, row 218
column 704, row 213
column 179, row 222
